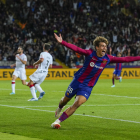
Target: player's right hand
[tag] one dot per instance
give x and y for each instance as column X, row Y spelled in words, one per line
column 59, row 39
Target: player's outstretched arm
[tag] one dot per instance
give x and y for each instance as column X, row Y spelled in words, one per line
column 59, row 39
column 71, row 46
column 123, row 59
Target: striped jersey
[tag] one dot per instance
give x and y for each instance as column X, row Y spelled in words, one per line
column 94, row 65
column 118, row 66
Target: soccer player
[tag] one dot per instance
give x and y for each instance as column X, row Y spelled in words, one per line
column 87, row 76
column 45, row 61
column 20, row 71
column 117, row 71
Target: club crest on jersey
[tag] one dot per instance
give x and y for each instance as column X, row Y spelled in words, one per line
column 92, row 64
column 104, row 61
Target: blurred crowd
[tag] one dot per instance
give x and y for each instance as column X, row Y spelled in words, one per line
column 30, row 23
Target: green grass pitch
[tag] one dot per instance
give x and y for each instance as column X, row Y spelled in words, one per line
column 109, row 114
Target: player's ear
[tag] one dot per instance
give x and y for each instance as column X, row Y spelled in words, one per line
column 96, row 47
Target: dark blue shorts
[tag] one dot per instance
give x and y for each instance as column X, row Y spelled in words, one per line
column 77, row 88
column 117, row 72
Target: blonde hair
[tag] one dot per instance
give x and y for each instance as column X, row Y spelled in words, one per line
column 99, row 39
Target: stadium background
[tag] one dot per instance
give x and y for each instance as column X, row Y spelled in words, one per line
column 110, row 113
column 30, row 23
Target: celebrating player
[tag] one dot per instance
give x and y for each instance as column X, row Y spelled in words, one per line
column 86, row 77
column 117, row 71
column 20, row 72
column 44, row 62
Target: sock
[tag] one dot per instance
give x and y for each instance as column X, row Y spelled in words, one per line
column 38, row 88
column 63, row 117
column 113, row 81
column 118, row 78
column 13, row 86
column 32, row 89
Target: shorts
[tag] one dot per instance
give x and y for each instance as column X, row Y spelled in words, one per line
column 77, row 88
column 20, row 73
column 38, row 76
column 117, row 72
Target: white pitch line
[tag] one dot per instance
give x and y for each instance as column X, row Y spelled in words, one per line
column 91, row 94
column 75, row 114
column 29, row 90
column 116, row 96
column 90, row 105
column 108, row 118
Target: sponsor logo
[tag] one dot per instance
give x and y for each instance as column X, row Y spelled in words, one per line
column 68, row 94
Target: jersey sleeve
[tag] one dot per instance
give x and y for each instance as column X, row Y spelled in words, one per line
column 114, row 59
column 77, row 49
column 41, row 56
column 25, row 58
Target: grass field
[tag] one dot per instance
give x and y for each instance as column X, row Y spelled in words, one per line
column 109, row 114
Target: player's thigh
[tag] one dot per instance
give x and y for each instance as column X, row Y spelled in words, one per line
column 42, row 77
column 35, row 77
column 15, row 75
column 22, row 75
column 115, row 72
column 119, row 73
column 72, row 89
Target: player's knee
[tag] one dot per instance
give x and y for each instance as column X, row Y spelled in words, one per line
column 77, row 104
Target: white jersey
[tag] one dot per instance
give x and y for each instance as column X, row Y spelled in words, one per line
column 19, row 64
column 48, row 60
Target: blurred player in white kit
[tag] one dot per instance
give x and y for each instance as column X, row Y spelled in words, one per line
column 20, row 71
column 44, row 63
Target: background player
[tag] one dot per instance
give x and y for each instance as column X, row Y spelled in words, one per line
column 20, row 71
column 44, row 62
column 86, row 77
column 117, row 71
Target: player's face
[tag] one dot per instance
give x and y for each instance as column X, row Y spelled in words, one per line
column 119, row 55
column 19, row 51
column 101, row 50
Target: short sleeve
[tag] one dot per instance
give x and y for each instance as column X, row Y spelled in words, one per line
column 25, row 58
column 41, row 56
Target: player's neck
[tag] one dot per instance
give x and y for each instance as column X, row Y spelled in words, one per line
column 20, row 53
column 46, row 51
column 98, row 54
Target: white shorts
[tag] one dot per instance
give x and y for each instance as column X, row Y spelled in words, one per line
column 20, row 73
column 38, row 76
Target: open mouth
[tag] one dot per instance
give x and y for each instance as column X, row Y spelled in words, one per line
column 103, row 53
